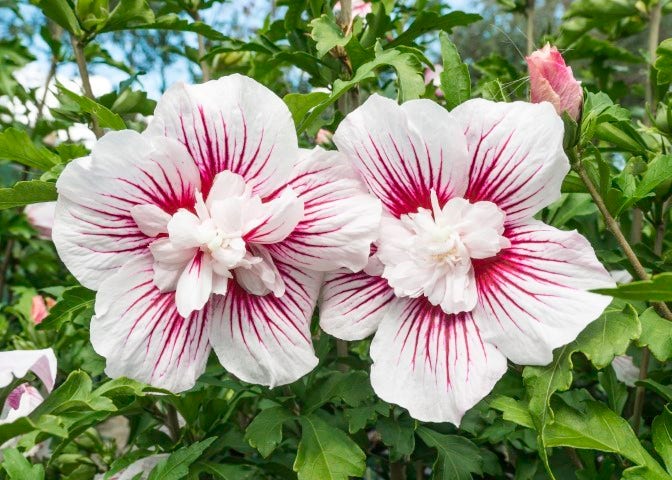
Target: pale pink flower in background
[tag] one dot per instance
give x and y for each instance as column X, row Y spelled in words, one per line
column 462, row 276
column 21, row 402
column 551, row 80
column 620, row 276
column 625, row 369
column 17, row 364
column 210, row 230
column 40, row 308
column 323, row 137
column 41, row 217
column 433, row 77
column 360, row 8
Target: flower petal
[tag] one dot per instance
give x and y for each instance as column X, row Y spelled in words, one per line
column 517, row 158
column 352, row 305
column 533, row 297
column 435, row 365
column 279, row 218
column 94, row 230
column 266, row 339
column 17, row 364
column 232, row 123
column 141, row 334
column 21, row 402
column 195, row 285
column 403, row 152
column 150, row 219
column 340, row 219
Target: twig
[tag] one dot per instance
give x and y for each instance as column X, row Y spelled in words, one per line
column 638, row 407
column 78, row 48
column 654, row 36
column 398, row 470
column 172, row 422
column 205, row 68
column 529, row 15
column 5, row 265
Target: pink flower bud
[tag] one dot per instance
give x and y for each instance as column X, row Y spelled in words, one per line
column 41, row 217
column 323, row 137
column 551, row 80
column 40, row 308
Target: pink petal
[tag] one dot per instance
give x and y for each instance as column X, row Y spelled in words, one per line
column 435, row 365
column 21, row 402
column 340, row 218
column 266, row 339
column 517, row 158
column 403, row 152
column 533, row 297
column 41, row 217
column 17, row 364
column 95, row 231
column 142, row 335
column 352, row 305
column 232, row 123
column 38, row 309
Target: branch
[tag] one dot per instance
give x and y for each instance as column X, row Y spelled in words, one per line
column 529, row 15
column 78, row 48
column 205, row 68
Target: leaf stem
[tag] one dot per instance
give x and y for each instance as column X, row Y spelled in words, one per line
column 205, row 68
column 529, row 15
column 615, row 229
column 78, row 48
column 172, row 422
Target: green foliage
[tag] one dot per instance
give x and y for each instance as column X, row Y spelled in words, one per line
column 265, row 432
column 457, row 458
column 176, row 466
column 25, row 193
column 455, row 80
column 658, row 289
column 16, row 146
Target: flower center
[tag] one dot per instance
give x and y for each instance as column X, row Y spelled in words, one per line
column 429, row 253
column 223, row 238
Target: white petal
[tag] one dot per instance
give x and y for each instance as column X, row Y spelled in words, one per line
column 340, row 219
column 403, row 152
column 266, row 339
column 533, row 297
column 232, row 123
column 195, row 285
column 625, row 369
column 21, row 402
column 433, row 364
column 280, row 217
column 151, row 220
column 17, row 364
column 94, row 230
column 165, row 252
column 184, row 230
column 352, row 305
column 41, row 217
column 141, row 334
column 261, row 277
column 517, row 158
column 226, row 185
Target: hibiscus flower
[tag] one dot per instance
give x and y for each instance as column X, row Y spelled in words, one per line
column 210, row 230
column 462, row 276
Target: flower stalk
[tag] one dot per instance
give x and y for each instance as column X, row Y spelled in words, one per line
column 80, row 59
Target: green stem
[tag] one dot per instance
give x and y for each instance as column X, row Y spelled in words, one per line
column 172, row 422
column 205, row 68
column 529, row 32
column 78, row 48
column 398, row 470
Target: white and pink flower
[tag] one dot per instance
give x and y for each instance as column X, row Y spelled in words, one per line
column 41, row 217
column 210, row 230
column 462, row 276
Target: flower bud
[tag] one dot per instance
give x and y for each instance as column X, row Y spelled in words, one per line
column 551, row 80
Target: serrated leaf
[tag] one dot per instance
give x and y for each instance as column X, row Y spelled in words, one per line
column 398, row 434
column 327, row 453
column 513, row 410
column 74, row 301
column 661, row 433
column 127, row 14
column 609, row 335
column 656, row 334
column 300, row 104
column 455, row 79
column 106, row 117
column 658, row 289
column 227, row 472
column 177, row 465
column 426, row 21
column 25, row 193
column 458, row 458
column 62, row 13
column 173, row 22
column 18, row 467
column 265, row 432
column 16, row 146
column 327, row 34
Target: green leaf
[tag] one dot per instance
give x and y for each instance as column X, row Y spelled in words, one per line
column 658, row 289
column 398, row 434
column 16, row 146
column 327, row 453
column 327, row 34
column 458, row 458
column 359, row 417
column 609, row 335
column 75, row 300
column 656, row 334
column 455, row 80
column 664, row 61
column 106, row 117
column 351, row 387
column 302, row 103
column 661, row 432
column 177, row 465
column 61, row 13
column 426, row 21
column 25, row 193
column 513, row 410
column 227, row 472
column 127, row 14
column 173, row 22
column 19, row 468
column 617, row 392
column 265, row 432
column 598, row 428
column 664, row 391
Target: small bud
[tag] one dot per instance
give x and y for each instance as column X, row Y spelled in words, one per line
column 551, row 80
